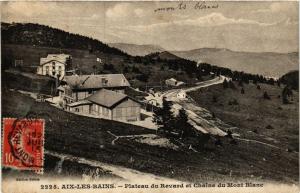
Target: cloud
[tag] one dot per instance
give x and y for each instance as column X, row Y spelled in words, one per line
column 139, row 12
column 123, row 10
column 213, row 19
column 287, row 8
column 216, row 19
column 29, row 9
column 118, row 11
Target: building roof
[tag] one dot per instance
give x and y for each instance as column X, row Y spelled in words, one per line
column 62, row 58
column 82, row 82
column 107, row 98
column 78, row 103
column 171, row 79
column 46, row 62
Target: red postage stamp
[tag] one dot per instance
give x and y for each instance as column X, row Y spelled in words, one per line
column 23, row 144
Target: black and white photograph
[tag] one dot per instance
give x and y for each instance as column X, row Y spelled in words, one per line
column 150, row 96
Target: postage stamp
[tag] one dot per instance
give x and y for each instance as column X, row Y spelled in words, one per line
column 23, row 144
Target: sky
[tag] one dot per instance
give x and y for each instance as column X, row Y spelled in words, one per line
column 239, row 26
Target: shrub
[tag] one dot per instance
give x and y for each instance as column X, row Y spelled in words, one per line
column 225, row 84
column 233, row 142
column 269, row 127
column 266, row 96
column 231, row 85
column 218, row 142
column 233, row 102
column 242, row 91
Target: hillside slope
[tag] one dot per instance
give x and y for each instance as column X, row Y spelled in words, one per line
column 45, row 36
column 137, row 50
column 268, row 64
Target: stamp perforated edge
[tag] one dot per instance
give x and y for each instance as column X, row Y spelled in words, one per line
column 41, row 171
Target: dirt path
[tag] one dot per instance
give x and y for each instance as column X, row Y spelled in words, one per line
column 125, row 173
column 199, row 117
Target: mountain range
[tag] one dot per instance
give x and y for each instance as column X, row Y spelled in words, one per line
column 19, row 35
column 266, row 63
column 137, row 50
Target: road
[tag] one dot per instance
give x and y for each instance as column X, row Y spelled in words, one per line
column 199, row 117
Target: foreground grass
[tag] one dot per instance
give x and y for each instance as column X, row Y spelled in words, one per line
column 87, row 137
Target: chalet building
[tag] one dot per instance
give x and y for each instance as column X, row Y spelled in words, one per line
column 181, row 94
column 54, row 65
column 78, row 87
column 108, row 104
column 173, row 82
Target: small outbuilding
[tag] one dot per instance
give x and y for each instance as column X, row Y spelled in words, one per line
column 108, row 104
column 181, row 94
column 173, row 82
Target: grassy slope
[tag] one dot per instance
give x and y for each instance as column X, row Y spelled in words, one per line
column 88, row 137
column 85, row 62
column 255, row 113
column 31, row 56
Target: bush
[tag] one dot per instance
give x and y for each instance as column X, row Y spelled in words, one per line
column 233, row 142
column 225, row 84
column 269, row 127
column 229, row 134
column 233, row 102
column 218, row 142
column 242, row 91
column 266, row 96
column 231, row 85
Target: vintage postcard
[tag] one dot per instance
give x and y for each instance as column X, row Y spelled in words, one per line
column 151, row 96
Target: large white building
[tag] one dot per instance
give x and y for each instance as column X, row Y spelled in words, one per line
column 54, row 65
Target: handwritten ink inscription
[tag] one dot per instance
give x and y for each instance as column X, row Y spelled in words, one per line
column 200, row 5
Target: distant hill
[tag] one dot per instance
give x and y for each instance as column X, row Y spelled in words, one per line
column 267, row 63
column 137, row 50
column 45, row 36
column 165, row 55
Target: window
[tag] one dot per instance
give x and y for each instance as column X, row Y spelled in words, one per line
column 104, row 81
column 60, row 70
column 47, row 70
column 105, row 111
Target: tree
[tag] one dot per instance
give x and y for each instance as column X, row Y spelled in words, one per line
column 278, row 83
column 225, row 84
column 163, row 117
column 266, row 96
column 231, row 84
column 286, row 92
column 241, row 83
column 95, row 69
column 142, row 77
column 258, row 87
column 183, row 125
column 125, row 69
column 242, row 91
